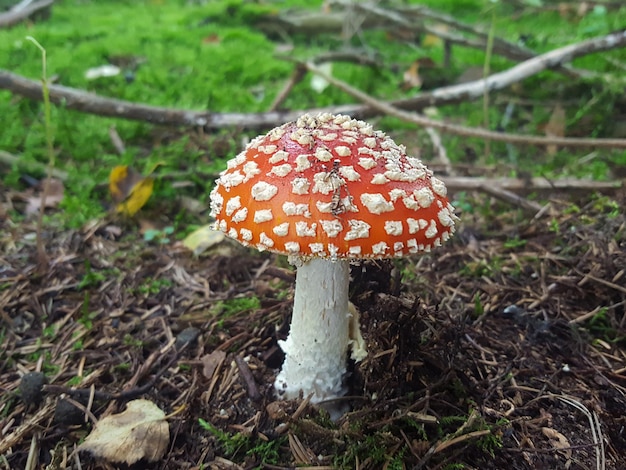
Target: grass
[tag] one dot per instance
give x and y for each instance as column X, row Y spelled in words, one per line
column 238, row 444
column 206, row 55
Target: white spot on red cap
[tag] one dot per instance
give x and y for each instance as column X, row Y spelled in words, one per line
column 355, row 250
column 349, row 173
column 343, row 151
column 331, row 227
column 237, row 161
column 376, row 203
column 292, row 247
column 323, row 155
column 293, row 209
column 367, row 163
column 317, row 248
column 393, row 227
column 246, row 235
column 232, row 205
column 325, row 207
column 302, row 162
column 379, row 178
column 358, row 229
column 305, row 230
column 268, row 149
column 250, row 170
column 282, row 230
column 217, row 202
column 263, row 191
column 445, row 218
column 280, row 156
column 370, row 142
column 240, row 215
column 265, row 240
column 300, row 186
column 282, row 170
column 324, row 183
column 413, row 225
column 328, row 137
column 230, row 180
column 431, row 231
column 438, row 187
column 379, row 249
column 424, row 197
column 263, row 215
column 276, row 134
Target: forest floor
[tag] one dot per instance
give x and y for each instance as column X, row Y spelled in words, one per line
column 503, row 349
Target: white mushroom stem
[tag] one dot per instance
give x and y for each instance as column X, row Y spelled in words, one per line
column 317, row 345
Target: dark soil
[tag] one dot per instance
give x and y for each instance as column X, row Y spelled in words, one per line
column 504, row 349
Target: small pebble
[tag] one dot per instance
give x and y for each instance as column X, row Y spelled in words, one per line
column 31, row 387
column 189, row 334
column 67, row 413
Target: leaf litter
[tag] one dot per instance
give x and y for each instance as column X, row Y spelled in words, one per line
column 139, row 432
column 505, row 349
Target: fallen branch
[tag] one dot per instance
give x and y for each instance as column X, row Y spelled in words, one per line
column 83, row 101
column 484, row 134
column 474, row 90
column 538, row 184
column 13, row 160
column 22, row 11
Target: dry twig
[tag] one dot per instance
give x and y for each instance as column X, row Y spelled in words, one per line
column 87, row 102
column 421, row 120
column 22, row 11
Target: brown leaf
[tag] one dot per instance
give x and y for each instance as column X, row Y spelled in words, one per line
column 212, row 362
column 555, row 127
column 54, row 195
column 558, row 441
column 411, row 77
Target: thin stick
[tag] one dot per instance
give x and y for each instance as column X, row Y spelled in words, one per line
column 80, row 100
column 421, row 120
column 42, row 257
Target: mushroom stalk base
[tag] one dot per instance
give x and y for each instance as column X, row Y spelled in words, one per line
column 317, row 345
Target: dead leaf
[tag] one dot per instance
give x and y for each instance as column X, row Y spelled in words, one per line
column 129, row 189
column 318, row 83
column 202, row 239
column 212, row 39
column 432, row 40
column 140, row 432
column 56, row 189
column 121, row 181
column 212, row 362
column 102, row 71
column 558, row 441
column 555, row 127
column 411, row 77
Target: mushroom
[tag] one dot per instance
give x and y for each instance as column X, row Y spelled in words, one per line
column 327, row 190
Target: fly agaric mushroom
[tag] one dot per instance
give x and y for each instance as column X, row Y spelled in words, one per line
column 326, row 190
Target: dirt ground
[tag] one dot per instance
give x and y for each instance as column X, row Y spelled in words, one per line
column 504, row 349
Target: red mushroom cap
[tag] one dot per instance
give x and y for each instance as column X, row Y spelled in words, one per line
column 331, row 186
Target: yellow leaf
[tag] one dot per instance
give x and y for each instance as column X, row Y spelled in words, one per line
column 430, row 40
column 202, row 239
column 129, row 189
column 139, row 195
